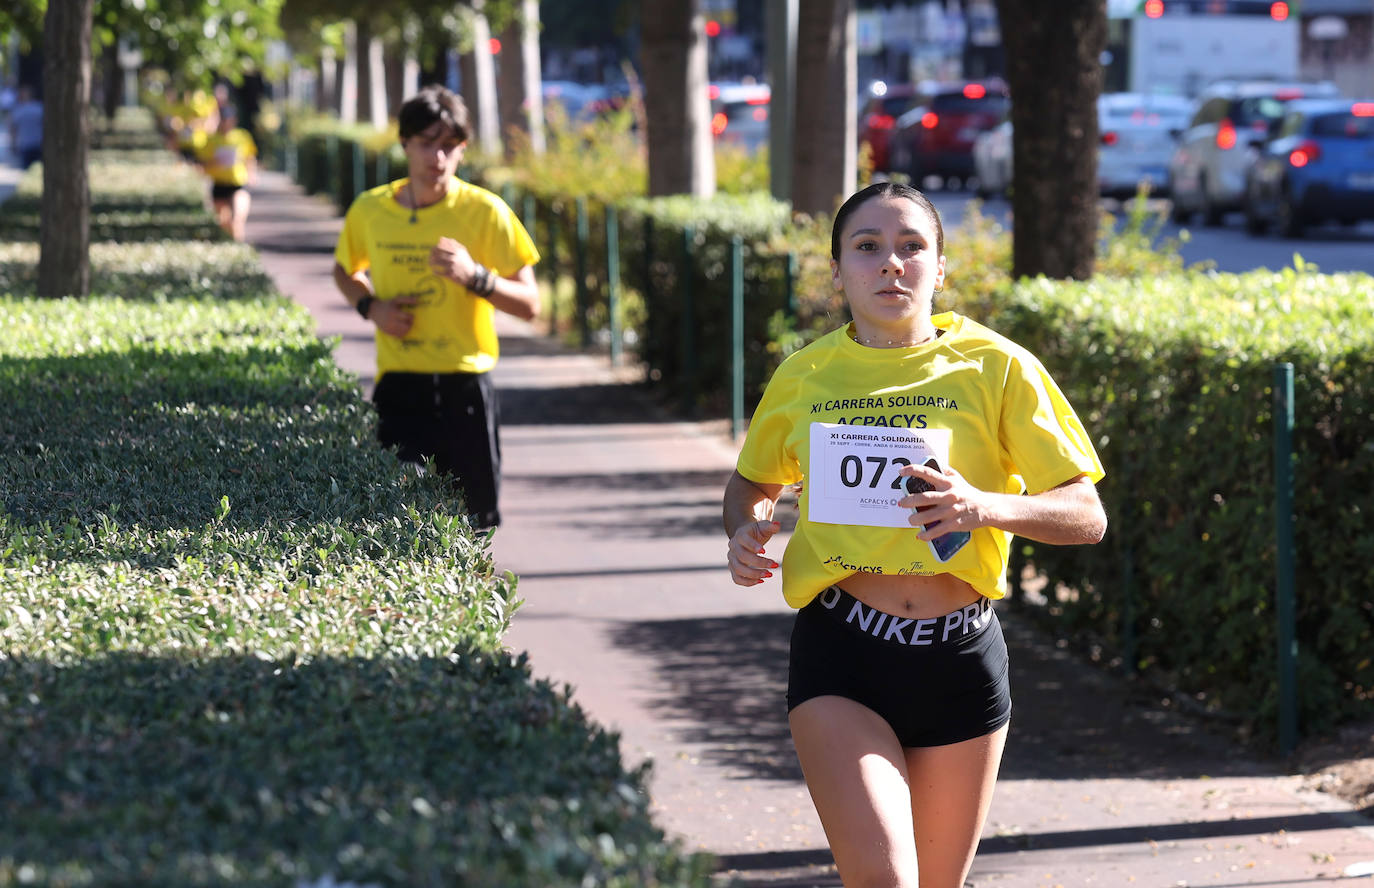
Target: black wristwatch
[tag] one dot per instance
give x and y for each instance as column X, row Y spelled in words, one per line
column 365, row 305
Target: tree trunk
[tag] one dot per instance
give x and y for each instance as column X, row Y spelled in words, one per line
column 366, row 74
column 327, row 93
column 111, row 80
column 1054, row 71
column 678, row 111
column 521, row 97
column 479, row 82
column 64, row 267
column 348, row 75
column 825, row 152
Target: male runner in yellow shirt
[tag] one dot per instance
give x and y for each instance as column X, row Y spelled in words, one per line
column 429, row 259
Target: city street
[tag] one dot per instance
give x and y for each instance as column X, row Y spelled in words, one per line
column 1331, row 248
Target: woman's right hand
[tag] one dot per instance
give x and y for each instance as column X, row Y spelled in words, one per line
column 749, row 566
column 393, row 316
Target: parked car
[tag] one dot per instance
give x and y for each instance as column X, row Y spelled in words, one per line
column 579, row 101
column 1319, row 167
column 739, row 114
column 886, row 102
column 1233, row 118
column 992, row 160
column 1136, row 136
column 936, row 137
column 1137, row 133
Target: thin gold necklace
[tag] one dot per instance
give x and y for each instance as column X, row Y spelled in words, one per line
column 902, row 343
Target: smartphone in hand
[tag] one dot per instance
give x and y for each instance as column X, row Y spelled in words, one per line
column 943, row 546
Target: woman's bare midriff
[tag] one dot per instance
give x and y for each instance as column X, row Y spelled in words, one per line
column 910, row 596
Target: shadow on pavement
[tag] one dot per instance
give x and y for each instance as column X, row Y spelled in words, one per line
column 727, row 678
column 590, row 404
column 778, row 868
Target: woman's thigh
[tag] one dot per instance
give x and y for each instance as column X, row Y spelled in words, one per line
column 951, row 791
column 856, row 773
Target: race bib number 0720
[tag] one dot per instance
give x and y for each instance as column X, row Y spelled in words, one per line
column 853, row 477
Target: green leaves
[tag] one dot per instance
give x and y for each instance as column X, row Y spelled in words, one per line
column 1172, row 375
column 242, row 644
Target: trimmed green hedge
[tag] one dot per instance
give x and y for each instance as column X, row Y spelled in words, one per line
column 240, row 644
column 135, row 196
column 1174, row 378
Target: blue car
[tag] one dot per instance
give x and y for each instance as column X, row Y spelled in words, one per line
column 1318, row 167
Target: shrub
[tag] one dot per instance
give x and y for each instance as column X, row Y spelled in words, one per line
column 240, row 644
column 1174, row 377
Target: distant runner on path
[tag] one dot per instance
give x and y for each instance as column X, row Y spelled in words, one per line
column 429, row 259
column 925, row 442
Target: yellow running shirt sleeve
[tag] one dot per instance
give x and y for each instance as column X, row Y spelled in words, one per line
column 1010, row 430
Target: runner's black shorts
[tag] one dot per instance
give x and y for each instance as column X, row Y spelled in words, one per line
column 223, row 192
column 453, row 418
column 937, row 681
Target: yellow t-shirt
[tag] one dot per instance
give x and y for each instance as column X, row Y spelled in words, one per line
column 1010, row 430
column 454, row 331
column 226, row 156
column 194, row 111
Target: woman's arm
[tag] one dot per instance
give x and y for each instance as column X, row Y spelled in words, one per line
column 1068, row 515
column 748, row 513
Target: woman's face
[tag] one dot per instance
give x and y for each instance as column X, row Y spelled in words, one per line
column 889, row 266
column 432, row 155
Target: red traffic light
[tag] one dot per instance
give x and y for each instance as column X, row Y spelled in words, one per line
column 1154, row 8
column 1278, row 11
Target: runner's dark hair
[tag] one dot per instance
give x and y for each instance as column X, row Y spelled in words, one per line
column 431, row 104
column 884, row 190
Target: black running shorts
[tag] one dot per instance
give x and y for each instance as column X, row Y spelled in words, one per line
column 936, row 681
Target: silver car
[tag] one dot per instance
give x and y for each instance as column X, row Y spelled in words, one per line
column 1233, row 119
column 1137, row 133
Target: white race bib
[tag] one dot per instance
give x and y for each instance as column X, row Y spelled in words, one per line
column 853, row 476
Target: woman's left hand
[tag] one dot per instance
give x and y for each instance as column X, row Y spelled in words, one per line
column 451, row 259
column 951, row 503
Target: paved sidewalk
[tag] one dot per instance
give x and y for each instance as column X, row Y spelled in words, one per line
column 612, row 523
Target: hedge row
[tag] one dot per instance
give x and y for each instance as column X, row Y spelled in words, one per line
column 239, row 643
column 138, row 195
column 1175, row 378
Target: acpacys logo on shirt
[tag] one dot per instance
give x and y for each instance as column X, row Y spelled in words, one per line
column 429, row 291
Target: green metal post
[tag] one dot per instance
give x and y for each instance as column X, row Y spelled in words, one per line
column 737, row 336
column 1283, row 515
column 613, row 280
column 331, row 166
column 790, row 280
column 359, row 171
column 552, row 264
column 293, row 161
column 583, row 235
column 528, row 216
column 689, row 322
column 508, row 194
column 384, row 166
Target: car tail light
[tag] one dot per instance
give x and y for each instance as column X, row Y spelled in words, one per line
column 974, row 91
column 718, row 123
column 760, row 114
column 757, row 100
column 1226, row 135
column 1304, row 154
column 930, row 120
column 1362, row 109
column 881, row 121
column 1109, row 138
column 1287, row 95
